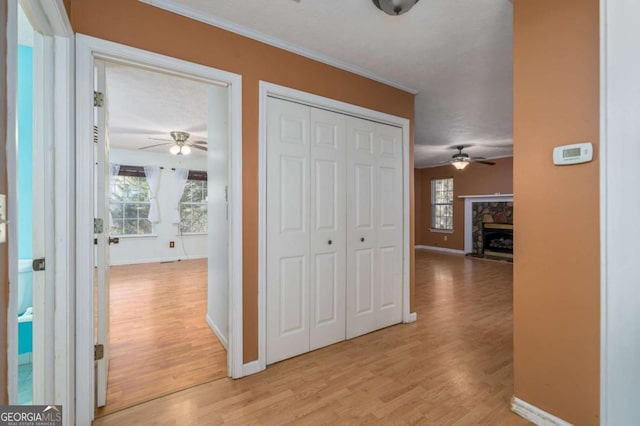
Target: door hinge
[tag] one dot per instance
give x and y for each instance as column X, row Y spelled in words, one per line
column 98, row 99
column 98, row 226
column 38, row 264
column 98, row 352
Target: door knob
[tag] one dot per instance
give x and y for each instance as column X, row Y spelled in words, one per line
column 330, row 242
column 114, row 240
column 362, row 239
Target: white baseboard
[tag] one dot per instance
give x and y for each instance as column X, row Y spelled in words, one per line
column 440, row 249
column 153, row 260
column 535, row 415
column 221, row 337
column 252, row 367
column 413, row 317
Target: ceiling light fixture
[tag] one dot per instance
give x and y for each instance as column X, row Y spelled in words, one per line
column 394, row 7
column 460, row 164
column 180, row 150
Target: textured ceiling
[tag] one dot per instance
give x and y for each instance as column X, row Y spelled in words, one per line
column 143, row 104
column 457, row 54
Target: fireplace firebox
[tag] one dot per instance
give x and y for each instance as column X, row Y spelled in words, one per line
column 497, row 240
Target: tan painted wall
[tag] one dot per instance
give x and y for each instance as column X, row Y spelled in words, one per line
column 4, row 254
column 137, row 24
column 556, row 272
column 475, row 179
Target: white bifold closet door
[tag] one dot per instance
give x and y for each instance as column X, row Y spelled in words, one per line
column 306, row 247
column 334, row 228
column 374, row 226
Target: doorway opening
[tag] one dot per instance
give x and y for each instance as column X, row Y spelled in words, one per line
column 162, row 254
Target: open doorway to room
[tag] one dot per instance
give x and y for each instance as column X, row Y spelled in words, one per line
column 162, row 283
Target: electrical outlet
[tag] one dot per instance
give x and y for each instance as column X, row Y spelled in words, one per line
column 3, row 218
column 445, row 237
column 172, row 244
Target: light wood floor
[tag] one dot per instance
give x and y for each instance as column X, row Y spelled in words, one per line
column 160, row 341
column 452, row 367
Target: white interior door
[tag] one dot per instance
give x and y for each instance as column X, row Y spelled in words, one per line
column 287, row 230
column 388, row 195
column 362, row 216
column 218, row 213
column 327, row 193
column 102, row 238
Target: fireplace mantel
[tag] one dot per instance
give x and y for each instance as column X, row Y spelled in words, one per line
column 497, row 197
column 468, row 225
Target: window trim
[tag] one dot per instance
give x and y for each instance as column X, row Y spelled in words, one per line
column 433, row 227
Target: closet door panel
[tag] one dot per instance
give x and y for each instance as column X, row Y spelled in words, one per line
column 328, row 230
column 388, row 143
column 288, row 258
column 361, row 229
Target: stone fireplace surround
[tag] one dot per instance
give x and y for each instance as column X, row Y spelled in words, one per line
column 469, row 201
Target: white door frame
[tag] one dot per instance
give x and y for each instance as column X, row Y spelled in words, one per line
column 88, row 50
column 56, row 122
column 619, row 206
column 267, row 89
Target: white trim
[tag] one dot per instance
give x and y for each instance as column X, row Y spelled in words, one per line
column 602, row 154
column 340, row 107
column 441, row 231
column 413, row 317
column 218, row 333
column 468, row 217
column 64, row 217
column 619, row 232
column 197, row 15
column 12, row 198
column 252, row 367
column 440, row 249
column 535, row 415
column 89, row 49
column 154, row 260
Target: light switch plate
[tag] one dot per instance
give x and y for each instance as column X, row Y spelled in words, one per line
column 3, row 218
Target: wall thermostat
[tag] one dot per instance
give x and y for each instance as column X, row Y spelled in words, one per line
column 573, row 154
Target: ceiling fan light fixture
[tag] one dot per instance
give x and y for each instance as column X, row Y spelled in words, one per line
column 186, row 150
column 395, row 7
column 175, row 150
column 460, row 164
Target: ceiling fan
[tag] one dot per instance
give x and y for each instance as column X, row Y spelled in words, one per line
column 181, row 145
column 460, row 160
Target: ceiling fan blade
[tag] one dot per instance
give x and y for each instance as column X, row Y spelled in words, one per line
column 478, row 158
column 200, row 142
column 487, row 163
column 201, row 148
column 162, row 139
column 158, row 144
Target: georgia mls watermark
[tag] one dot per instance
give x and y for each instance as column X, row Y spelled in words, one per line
column 30, row 415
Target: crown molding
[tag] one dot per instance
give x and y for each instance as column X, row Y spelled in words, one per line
column 189, row 12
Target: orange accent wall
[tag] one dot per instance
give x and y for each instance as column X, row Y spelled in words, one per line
column 557, row 228
column 4, row 253
column 475, row 179
column 140, row 25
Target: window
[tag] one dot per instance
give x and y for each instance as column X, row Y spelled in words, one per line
column 193, row 205
column 130, row 202
column 442, row 204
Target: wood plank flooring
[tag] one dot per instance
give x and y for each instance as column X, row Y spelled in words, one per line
column 160, row 341
column 452, row 367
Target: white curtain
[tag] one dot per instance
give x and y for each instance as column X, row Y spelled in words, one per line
column 152, row 173
column 181, row 180
column 114, row 169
